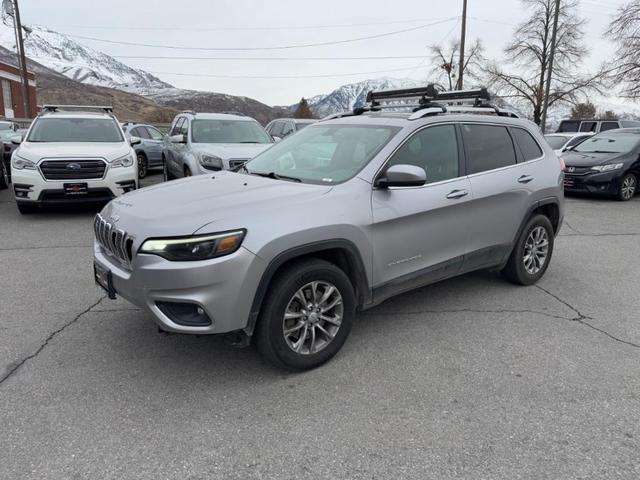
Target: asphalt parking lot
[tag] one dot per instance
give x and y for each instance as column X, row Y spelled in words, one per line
column 472, row 378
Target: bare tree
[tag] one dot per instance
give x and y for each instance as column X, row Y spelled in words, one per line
column 447, row 58
column 522, row 76
column 583, row 110
column 624, row 30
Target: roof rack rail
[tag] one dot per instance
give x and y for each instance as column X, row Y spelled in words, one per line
column 232, row 112
column 55, row 108
column 191, row 112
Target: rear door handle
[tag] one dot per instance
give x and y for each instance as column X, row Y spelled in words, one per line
column 525, row 179
column 457, row 194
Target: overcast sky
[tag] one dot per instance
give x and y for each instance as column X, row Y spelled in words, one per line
column 259, row 24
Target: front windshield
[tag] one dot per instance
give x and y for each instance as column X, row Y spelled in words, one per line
column 326, row 154
column 228, row 131
column 75, row 130
column 555, row 141
column 620, row 143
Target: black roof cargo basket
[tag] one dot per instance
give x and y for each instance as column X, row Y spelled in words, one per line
column 425, row 101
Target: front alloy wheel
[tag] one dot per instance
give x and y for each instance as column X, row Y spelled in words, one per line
column 306, row 315
column 312, row 318
column 142, row 166
column 628, row 187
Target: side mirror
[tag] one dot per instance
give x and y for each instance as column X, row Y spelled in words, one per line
column 402, row 176
column 276, row 138
column 180, row 138
column 16, row 139
column 134, row 141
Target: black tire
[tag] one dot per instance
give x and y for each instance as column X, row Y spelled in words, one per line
column 143, row 165
column 516, row 270
column 270, row 336
column 165, row 170
column 628, row 187
column 4, row 176
column 27, row 209
column 187, row 171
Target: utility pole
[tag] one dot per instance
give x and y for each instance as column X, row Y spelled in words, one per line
column 547, row 88
column 463, row 34
column 11, row 8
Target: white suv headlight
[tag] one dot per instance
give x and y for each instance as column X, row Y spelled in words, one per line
column 211, row 162
column 125, row 161
column 608, row 168
column 20, row 163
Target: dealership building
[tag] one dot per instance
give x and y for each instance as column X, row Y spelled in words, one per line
column 11, row 101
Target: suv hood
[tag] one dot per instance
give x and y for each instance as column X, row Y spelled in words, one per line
column 578, row 159
column 232, row 150
column 228, row 200
column 35, row 151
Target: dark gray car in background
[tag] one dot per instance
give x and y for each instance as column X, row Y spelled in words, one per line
column 149, row 150
column 283, row 127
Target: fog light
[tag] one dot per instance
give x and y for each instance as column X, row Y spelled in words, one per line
column 187, row 314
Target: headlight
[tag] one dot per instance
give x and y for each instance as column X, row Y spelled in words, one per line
column 199, row 247
column 20, row 163
column 608, row 168
column 211, row 162
column 125, row 161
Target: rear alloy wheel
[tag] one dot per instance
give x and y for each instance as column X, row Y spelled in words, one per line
column 532, row 253
column 306, row 316
column 165, row 170
column 628, row 187
column 142, row 165
column 4, row 176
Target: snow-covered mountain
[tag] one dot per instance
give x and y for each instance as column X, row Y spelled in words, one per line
column 347, row 97
column 64, row 55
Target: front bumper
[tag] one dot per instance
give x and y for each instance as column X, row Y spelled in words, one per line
column 223, row 287
column 31, row 188
column 595, row 183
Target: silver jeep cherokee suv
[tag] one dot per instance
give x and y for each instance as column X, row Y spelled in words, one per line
column 336, row 219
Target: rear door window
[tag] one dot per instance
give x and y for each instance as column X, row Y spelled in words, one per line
column 569, row 126
column 140, row 132
column 488, row 147
column 276, row 129
column 154, row 133
column 528, row 145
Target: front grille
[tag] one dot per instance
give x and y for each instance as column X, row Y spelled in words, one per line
column 569, row 170
column 237, row 162
column 73, row 169
column 113, row 240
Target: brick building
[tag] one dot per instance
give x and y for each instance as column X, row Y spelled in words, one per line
column 11, row 102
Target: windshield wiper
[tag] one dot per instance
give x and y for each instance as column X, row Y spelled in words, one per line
column 249, row 141
column 275, row 176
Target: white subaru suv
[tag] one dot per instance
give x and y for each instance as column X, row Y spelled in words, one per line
column 72, row 154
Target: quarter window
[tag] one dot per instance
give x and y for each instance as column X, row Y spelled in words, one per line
column 588, row 126
column 608, row 126
column 488, row 147
column 528, row 146
column 435, row 149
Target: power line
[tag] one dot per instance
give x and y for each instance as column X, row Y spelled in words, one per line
column 169, row 57
column 206, row 75
column 282, row 47
column 238, row 28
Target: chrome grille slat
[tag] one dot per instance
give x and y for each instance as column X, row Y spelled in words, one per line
column 113, row 240
column 88, row 169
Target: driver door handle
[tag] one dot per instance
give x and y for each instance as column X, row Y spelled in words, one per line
column 525, row 179
column 457, row 194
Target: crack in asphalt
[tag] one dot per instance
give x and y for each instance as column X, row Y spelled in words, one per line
column 581, row 318
column 16, row 365
column 44, row 247
column 632, row 234
column 571, row 227
column 467, row 310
